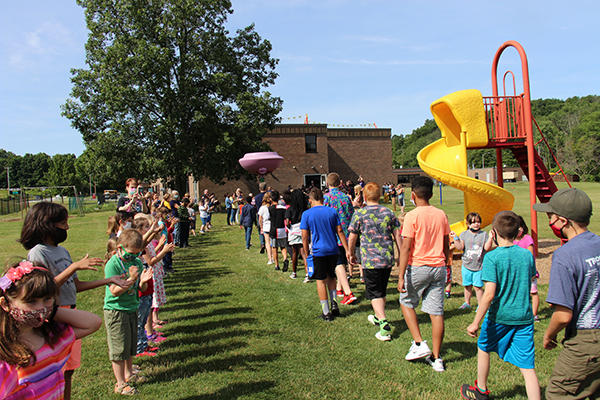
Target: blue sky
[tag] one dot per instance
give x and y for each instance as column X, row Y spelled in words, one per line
column 341, row 62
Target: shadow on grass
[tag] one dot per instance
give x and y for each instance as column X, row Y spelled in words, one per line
column 460, row 351
column 512, row 393
column 235, row 391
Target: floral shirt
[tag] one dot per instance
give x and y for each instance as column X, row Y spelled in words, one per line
column 375, row 225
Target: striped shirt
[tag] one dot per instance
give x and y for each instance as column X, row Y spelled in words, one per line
column 44, row 379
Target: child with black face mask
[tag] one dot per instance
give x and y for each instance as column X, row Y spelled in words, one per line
column 475, row 243
column 44, row 228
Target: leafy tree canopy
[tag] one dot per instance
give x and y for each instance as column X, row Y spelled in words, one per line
column 169, row 92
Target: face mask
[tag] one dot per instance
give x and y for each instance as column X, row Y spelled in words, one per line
column 132, row 190
column 34, row 318
column 127, row 225
column 495, row 237
column 474, row 230
column 175, row 197
column 558, row 232
column 60, row 235
column 129, row 256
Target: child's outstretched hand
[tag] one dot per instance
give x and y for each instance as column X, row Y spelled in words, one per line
column 169, row 247
column 119, row 280
column 146, row 275
column 155, row 227
column 89, row 263
column 133, row 272
column 472, row 329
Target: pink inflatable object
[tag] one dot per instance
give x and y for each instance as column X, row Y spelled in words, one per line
column 261, row 163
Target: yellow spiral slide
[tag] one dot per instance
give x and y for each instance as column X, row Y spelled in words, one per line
column 461, row 118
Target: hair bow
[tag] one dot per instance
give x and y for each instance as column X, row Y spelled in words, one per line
column 15, row 273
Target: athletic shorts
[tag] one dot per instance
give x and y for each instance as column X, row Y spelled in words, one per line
column 427, row 283
column 281, row 243
column 341, row 258
column 471, row 278
column 324, row 267
column 376, row 281
column 74, row 360
column 513, row 343
column 121, row 331
column 357, row 253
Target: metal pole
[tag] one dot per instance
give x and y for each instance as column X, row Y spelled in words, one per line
column 8, row 180
column 483, row 160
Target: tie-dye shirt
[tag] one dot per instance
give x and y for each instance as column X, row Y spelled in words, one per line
column 376, row 226
column 44, row 379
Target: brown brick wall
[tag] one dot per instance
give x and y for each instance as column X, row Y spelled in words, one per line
column 349, row 152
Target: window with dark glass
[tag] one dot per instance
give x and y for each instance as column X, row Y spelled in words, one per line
column 311, row 142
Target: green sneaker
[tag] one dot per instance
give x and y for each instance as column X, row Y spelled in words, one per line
column 373, row 319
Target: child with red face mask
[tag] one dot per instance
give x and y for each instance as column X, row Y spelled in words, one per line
column 38, row 335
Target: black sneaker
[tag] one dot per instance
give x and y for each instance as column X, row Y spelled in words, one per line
column 286, row 264
column 262, row 249
column 277, row 268
column 335, row 309
column 473, row 393
column 326, row 317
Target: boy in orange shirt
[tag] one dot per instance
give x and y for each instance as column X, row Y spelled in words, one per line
column 422, row 272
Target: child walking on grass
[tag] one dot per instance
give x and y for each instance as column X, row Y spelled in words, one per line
column 474, row 243
column 120, row 308
column 37, row 336
column 422, row 271
column 508, row 325
column 525, row 241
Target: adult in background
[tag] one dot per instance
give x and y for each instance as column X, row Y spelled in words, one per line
column 262, row 187
column 235, row 205
column 574, row 292
column 342, row 204
column 400, row 192
column 135, row 201
column 228, row 204
column 174, row 204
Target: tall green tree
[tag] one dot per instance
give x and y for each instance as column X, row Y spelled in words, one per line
column 169, row 91
column 62, row 172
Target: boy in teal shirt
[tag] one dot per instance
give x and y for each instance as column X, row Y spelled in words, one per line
column 508, row 325
column 120, row 307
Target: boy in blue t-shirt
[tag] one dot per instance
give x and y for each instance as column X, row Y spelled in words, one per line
column 507, row 329
column 320, row 225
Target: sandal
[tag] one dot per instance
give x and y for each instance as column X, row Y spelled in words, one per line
column 125, row 389
column 135, row 378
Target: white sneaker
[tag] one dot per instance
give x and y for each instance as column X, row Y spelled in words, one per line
column 371, row 319
column 306, row 279
column 383, row 338
column 271, row 262
column 437, row 364
column 419, row 351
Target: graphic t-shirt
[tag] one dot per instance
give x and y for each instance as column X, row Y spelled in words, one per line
column 376, row 226
column 473, row 252
column 43, row 380
column 322, row 222
column 128, row 301
column 575, row 280
column 511, row 268
column 57, row 259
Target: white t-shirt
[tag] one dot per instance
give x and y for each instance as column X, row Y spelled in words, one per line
column 266, row 216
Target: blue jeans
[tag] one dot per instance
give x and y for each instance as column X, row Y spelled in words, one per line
column 234, row 212
column 248, row 230
column 176, row 233
column 261, row 236
column 143, row 313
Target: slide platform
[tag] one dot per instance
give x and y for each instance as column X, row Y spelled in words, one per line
column 461, row 118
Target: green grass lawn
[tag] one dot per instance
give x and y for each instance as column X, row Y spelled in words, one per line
column 239, row 329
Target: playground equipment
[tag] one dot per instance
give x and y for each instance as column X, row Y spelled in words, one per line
column 468, row 120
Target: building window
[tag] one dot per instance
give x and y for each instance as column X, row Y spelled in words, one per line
column 310, row 139
column 476, row 175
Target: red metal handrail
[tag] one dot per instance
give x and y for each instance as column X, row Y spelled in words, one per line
column 505, row 118
column 551, row 152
